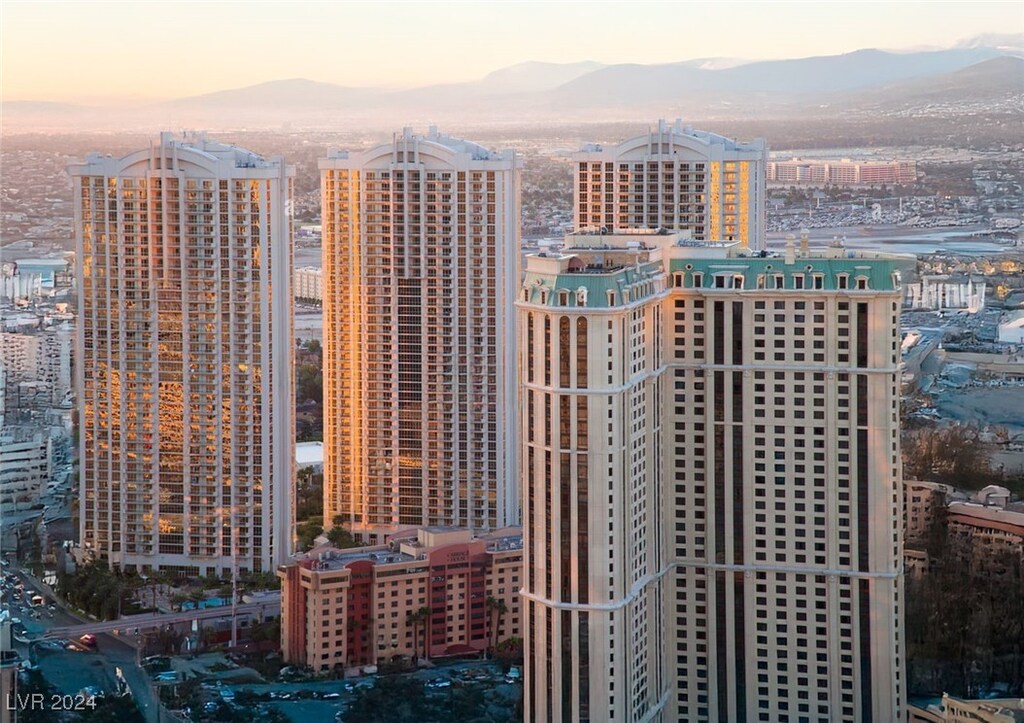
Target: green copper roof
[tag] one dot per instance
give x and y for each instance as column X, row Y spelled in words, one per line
column 879, row 272
column 596, row 284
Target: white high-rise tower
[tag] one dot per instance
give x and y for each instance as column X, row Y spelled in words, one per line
column 185, row 349
column 421, row 264
column 677, row 178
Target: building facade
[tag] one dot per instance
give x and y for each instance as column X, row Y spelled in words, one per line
column 712, row 506
column 675, row 178
column 363, row 606
column 185, row 380
column 421, row 259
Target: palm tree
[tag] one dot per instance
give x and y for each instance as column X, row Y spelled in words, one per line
column 498, row 607
column 416, row 619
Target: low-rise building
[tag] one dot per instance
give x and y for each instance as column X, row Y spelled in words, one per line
column 950, row 710
column 988, row 538
column 429, row 592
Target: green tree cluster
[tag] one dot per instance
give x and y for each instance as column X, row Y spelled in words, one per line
column 99, row 591
column 308, row 531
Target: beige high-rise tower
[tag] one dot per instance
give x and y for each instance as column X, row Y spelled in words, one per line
column 421, row 259
column 712, row 496
column 185, row 349
column 677, row 178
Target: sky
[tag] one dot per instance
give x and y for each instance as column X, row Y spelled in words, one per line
column 115, row 51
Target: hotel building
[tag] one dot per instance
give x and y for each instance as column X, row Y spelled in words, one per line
column 361, row 606
column 712, row 500
column 421, row 265
column 676, row 178
column 844, row 172
column 185, row 344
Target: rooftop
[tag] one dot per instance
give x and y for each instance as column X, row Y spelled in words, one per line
column 590, row 264
column 410, row 545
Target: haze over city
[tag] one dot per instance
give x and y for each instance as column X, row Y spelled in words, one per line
column 556, row 362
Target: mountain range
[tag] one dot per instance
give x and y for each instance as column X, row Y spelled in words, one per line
column 988, row 69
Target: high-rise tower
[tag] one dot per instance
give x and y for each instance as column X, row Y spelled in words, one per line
column 185, row 342
column 421, row 259
column 712, row 497
column 676, row 178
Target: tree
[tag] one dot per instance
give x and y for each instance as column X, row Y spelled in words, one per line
column 955, row 454
column 509, row 652
column 308, row 531
column 341, row 538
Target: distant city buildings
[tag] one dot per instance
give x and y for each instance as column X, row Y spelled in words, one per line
column 676, row 178
column 421, row 259
column 844, row 172
column 363, row 606
column 711, row 470
column 938, row 292
column 35, row 399
column 185, row 348
column 36, row 351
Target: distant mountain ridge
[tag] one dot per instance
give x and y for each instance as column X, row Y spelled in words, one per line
column 997, row 77
column 803, row 76
column 538, row 91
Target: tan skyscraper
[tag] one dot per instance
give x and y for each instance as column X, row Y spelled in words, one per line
column 421, row 259
column 677, row 178
column 712, row 498
column 185, row 380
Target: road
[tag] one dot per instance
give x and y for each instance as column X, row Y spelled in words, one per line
column 153, row 620
column 68, row 670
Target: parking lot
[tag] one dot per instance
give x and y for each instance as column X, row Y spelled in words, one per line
column 316, row 699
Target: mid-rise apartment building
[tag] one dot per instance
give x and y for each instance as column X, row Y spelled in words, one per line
column 712, row 500
column 421, row 259
column 428, row 593
column 185, row 349
column 309, row 285
column 677, row 178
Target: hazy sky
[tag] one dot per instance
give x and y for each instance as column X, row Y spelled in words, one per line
column 80, row 51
